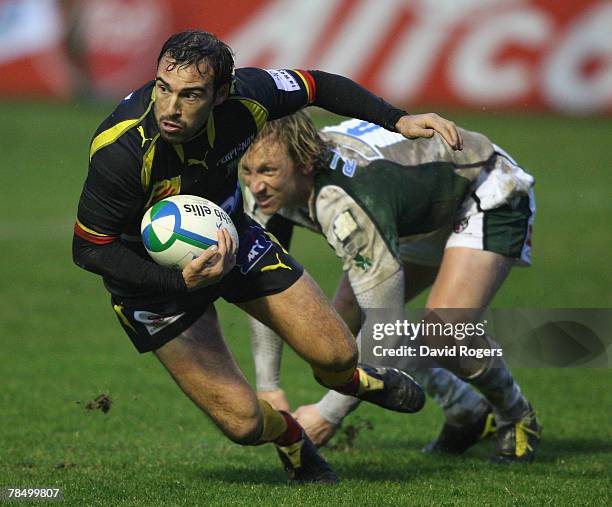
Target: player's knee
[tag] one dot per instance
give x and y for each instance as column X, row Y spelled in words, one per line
column 342, row 356
column 349, row 355
column 246, row 431
column 238, row 416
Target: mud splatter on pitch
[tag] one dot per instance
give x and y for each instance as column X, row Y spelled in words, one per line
column 102, row 402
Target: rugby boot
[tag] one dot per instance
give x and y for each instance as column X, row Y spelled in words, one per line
column 517, row 442
column 458, row 439
column 303, row 463
column 389, row 388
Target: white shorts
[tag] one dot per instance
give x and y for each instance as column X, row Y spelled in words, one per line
column 505, row 229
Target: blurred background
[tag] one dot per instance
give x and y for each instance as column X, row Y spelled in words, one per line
column 552, row 55
column 535, row 76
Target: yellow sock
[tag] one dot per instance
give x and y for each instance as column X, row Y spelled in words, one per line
column 274, row 424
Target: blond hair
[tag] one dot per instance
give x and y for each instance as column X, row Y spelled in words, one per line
column 298, row 134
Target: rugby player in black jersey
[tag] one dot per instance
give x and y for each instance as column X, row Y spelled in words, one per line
column 184, row 133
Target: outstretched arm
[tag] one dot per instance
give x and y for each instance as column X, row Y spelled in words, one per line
column 283, row 92
column 340, row 95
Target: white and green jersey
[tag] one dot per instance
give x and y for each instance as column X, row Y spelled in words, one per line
column 380, row 190
column 383, row 200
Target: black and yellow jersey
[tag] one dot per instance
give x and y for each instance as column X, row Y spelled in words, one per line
column 131, row 167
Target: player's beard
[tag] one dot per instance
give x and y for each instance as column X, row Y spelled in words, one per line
column 186, row 133
column 188, row 130
column 174, row 138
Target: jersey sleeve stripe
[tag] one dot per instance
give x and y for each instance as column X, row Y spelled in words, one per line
column 113, row 133
column 92, row 236
column 309, row 83
column 259, row 112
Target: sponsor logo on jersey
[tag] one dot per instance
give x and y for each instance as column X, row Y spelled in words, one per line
column 363, row 262
column 280, row 264
column 165, row 188
column 461, row 225
column 349, row 165
column 195, row 161
column 363, row 137
column 254, row 244
column 141, row 131
column 237, row 150
column 154, row 322
column 344, row 225
column 284, row 80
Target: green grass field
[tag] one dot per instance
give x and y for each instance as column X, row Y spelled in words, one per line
column 61, row 348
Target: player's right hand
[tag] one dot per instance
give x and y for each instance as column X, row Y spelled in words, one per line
column 413, row 126
column 318, row 429
column 213, row 264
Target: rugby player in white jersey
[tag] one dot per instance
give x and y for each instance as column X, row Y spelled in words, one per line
column 403, row 215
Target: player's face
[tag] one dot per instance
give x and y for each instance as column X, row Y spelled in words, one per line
column 273, row 178
column 184, row 98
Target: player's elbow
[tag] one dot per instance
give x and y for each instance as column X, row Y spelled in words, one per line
column 77, row 251
column 83, row 255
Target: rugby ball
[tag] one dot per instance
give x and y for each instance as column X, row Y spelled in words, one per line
column 178, row 229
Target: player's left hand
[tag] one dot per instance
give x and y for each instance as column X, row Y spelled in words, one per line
column 318, row 429
column 414, row 126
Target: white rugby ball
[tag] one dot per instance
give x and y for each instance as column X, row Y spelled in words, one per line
column 178, row 229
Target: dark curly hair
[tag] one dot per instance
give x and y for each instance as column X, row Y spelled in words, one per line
column 192, row 47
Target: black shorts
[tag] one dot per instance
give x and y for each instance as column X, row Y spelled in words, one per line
column 263, row 267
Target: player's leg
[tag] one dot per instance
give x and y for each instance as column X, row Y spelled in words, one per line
column 468, row 280
column 466, row 411
column 417, row 278
column 467, row 414
column 267, row 349
column 486, row 271
column 346, row 305
column 468, row 417
column 267, row 346
column 204, row 368
column 305, row 320
column 303, row 317
column 460, row 403
column 466, row 283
